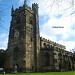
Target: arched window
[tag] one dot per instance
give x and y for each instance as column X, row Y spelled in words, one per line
column 16, row 53
column 48, row 46
column 60, row 56
column 44, row 45
column 51, row 47
column 47, row 57
column 31, row 20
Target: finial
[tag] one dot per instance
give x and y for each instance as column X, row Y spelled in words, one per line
column 12, row 8
column 24, row 2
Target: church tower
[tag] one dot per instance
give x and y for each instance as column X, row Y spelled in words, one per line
column 24, row 39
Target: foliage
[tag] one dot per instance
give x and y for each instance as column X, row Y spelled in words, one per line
column 2, row 57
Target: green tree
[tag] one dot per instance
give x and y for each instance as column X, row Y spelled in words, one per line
column 2, row 57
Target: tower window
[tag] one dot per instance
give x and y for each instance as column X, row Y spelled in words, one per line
column 55, row 60
column 31, row 22
column 17, row 19
column 16, row 53
column 31, row 39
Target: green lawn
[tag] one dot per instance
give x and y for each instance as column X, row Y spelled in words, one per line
column 46, row 73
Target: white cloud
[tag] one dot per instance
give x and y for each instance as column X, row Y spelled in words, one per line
column 59, row 18
column 3, row 41
column 69, row 44
column 66, row 32
column 53, row 6
column 49, row 37
column 3, row 35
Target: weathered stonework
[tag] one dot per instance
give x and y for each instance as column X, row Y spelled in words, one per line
column 30, row 52
column 54, row 56
column 24, row 39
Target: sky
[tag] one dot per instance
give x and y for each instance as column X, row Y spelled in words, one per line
column 56, row 20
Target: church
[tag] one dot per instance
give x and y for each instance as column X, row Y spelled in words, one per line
column 27, row 51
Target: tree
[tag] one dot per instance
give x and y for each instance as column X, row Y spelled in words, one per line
column 2, row 57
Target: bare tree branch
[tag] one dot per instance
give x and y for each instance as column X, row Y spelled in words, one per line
column 3, row 8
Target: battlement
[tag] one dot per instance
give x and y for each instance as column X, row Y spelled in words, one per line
column 35, row 5
column 52, row 43
column 35, row 8
column 22, row 8
column 32, row 9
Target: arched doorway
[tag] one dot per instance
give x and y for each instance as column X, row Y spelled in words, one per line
column 16, row 52
column 47, row 58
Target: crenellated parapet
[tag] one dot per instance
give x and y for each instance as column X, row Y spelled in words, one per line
column 26, row 7
column 46, row 41
column 60, row 46
column 21, row 8
column 51, row 43
column 35, row 8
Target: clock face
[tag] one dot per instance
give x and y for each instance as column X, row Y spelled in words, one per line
column 16, row 34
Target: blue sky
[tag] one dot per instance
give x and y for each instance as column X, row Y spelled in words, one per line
column 50, row 14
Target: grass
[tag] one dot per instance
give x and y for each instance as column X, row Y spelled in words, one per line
column 45, row 73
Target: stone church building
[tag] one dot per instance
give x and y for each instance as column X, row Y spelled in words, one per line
column 29, row 52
